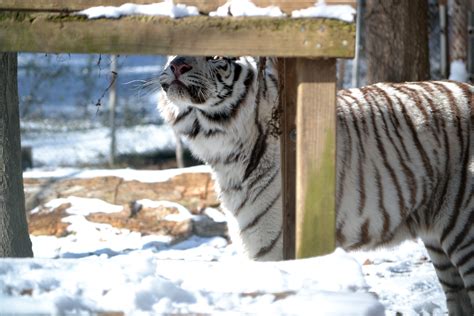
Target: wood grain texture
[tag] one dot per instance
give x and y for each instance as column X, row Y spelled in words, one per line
column 288, row 86
column 205, row 6
column 316, row 157
column 35, row 32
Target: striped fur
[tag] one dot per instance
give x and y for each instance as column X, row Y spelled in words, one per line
column 404, row 162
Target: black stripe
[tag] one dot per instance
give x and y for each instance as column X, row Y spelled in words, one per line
column 441, row 196
column 385, row 214
column 469, row 271
column 264, row 250
column 255, row 180
column 442, row 267
column 364, row 128
column 467, row 244
column 356, row 127
column 455, row 110
column 451, row 287
column 237, row 72
column 259, row 216
column 213, row 132
column 234, row 108
column 393, row 119
column 182, row 115
column 267, row 184
column 435, row 249
column 465, row 259
column 258, row 150
column 383, row 153
column 196, row 128
column 462, row 234
column 361, row 154
column 409, row 175
column 232, row 158
column 428, row 96
column 415, row 96
column 347, row 152
column 416, row 140
column 236, row 187
column 273, row 79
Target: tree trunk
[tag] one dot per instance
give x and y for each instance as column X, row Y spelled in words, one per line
column 458, row 11
column 14, row 237
column 397, row 40
column 458, row 14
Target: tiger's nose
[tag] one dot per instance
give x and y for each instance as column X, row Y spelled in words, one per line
column 179, row 67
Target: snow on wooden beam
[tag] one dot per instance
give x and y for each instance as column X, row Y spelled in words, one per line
column 205, row 6
column 202, row 35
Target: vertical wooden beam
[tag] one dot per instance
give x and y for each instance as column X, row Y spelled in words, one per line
column 288, row 85
column 315, row 157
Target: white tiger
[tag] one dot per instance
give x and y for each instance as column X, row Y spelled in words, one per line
column 404, row 161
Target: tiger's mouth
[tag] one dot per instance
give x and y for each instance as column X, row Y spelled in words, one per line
column 177, row 89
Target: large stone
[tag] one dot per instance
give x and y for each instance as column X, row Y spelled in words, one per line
column 49, row 221
column 145, row 220
column 195, row 191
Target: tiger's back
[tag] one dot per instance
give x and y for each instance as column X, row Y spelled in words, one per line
column 404, row 155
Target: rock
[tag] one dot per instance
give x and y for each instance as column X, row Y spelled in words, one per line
column 204, row 226
column 146, row 220
column 195, row 191
column 49, row 221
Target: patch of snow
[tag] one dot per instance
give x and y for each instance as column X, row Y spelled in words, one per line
column 458, row 71
column 140, row 283
column 165, row 8
column 246, row 8
column 404, row 279
column 81, row 206
column 110, row 269
column 183, row 212
column 215, row 215
column 322, row 10
column 145, row 176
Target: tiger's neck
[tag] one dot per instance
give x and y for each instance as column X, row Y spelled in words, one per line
column 245, row 159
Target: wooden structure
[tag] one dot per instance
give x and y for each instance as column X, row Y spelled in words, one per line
column 308, row 47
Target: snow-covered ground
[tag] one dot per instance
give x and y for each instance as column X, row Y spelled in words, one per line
column 98, row 268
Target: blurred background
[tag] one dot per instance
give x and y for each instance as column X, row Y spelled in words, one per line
column 100, row 110
column 72, row 107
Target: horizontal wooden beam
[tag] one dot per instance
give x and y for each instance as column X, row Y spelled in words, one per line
column 204, row 6
column 202, row 35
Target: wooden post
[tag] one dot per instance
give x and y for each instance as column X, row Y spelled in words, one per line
column 287, row 75
column 315, row 157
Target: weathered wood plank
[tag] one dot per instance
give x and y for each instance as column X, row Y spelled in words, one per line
column 36, row 32
column 316, row 149
column 205, row 6
column 288, row 86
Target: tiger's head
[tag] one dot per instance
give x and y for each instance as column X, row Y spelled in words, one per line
column 202, row 81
